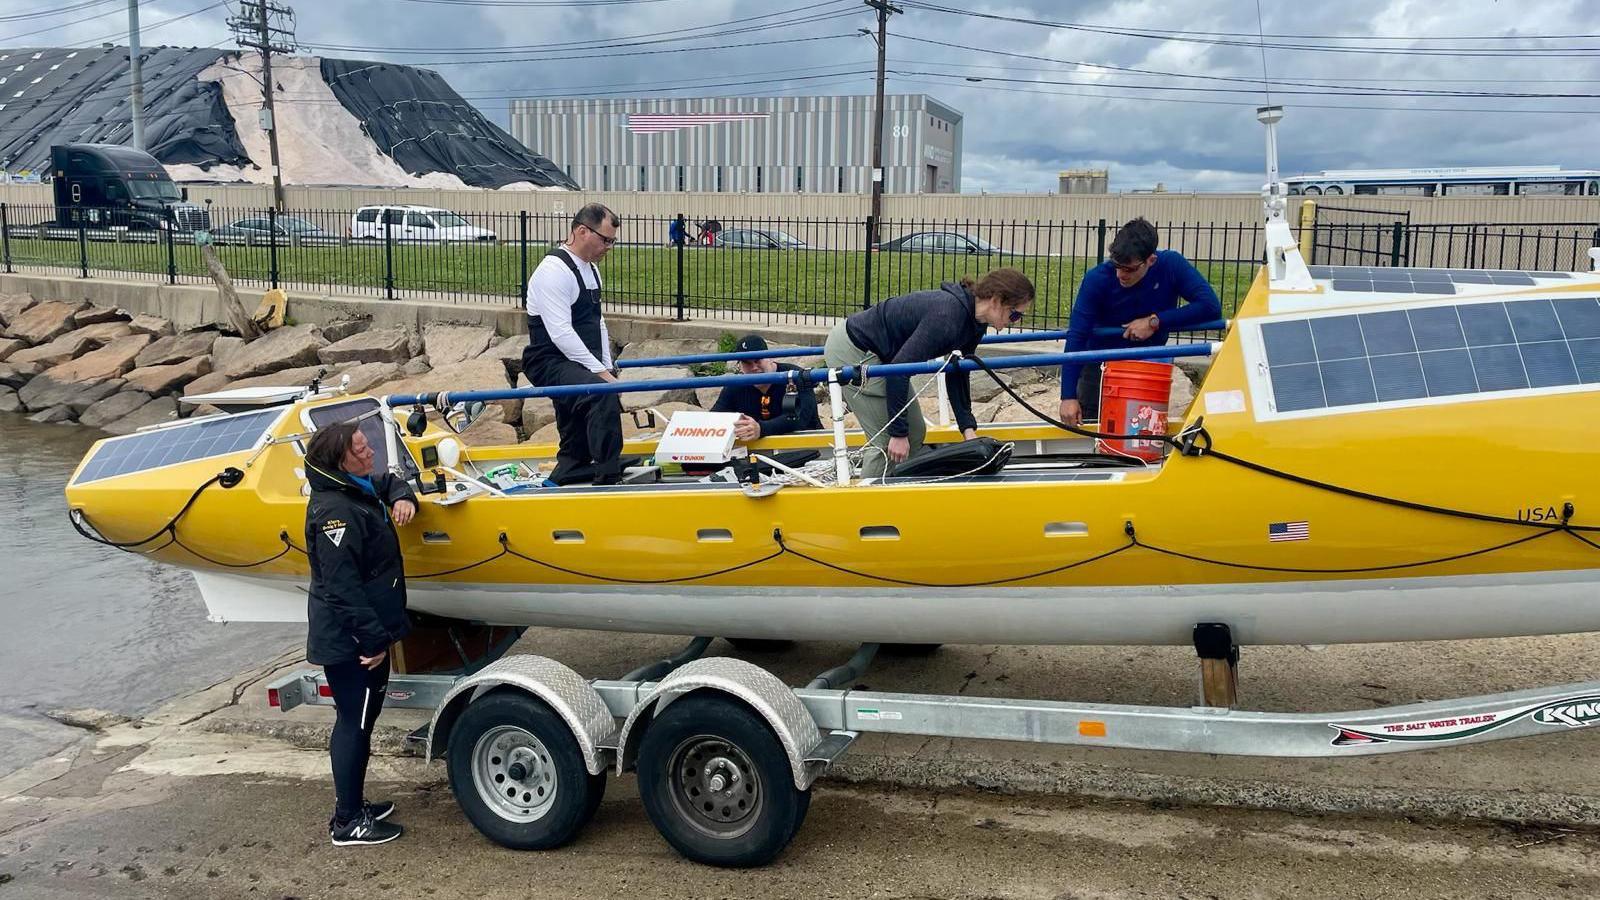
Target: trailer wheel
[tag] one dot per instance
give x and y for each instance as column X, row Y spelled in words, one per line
column 717, row 784
column 518, row 774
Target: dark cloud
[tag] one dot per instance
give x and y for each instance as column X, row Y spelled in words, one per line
column 1054, row 116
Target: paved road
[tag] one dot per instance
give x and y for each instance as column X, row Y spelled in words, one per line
column 227, row 836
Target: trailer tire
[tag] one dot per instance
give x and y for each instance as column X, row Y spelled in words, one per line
column 507, row 733
column 748, row 817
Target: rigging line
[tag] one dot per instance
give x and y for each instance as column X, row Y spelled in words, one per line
column 505, row 542
column 229, row 565
column 778, row 536
column 1350, row 571
column 481, row 562
column 75, row 516
column 1187, row 444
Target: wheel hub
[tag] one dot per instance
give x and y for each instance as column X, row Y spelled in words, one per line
column 714, row 784
column 513, row 773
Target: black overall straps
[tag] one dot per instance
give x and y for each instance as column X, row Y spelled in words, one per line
column 541, row 350
column 589, row 426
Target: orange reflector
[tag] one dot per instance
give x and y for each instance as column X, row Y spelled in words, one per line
column 1087, row 728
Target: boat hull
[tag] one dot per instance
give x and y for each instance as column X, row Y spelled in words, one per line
column 1320, row 612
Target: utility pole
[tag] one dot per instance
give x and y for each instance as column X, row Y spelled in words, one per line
column 261, row 25
column 884, row 8
column 138, row 74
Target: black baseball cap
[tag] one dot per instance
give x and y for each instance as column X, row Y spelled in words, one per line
column 750, row 343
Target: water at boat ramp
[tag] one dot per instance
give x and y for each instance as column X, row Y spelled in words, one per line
column 82, row 625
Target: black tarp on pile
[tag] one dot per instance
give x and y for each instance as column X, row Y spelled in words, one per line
column 61, row 96
column 416, row 118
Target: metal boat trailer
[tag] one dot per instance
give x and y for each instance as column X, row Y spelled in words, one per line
column 726, row 753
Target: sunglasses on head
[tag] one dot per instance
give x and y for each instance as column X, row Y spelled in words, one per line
column 608, row 241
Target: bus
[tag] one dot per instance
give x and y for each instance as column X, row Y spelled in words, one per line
column 1457, row 181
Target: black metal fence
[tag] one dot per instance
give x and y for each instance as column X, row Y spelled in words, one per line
column 769, row 270
column 1344, row 236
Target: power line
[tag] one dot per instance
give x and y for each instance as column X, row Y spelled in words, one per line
column 538, row 3
column 54, row 11
column 117, row 36
column 1322, row 85
column 741, row 25
column 1321, row 91
column 631, row 53
column 1245, row 105
column 1321, row 47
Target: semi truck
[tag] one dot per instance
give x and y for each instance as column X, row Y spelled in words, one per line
column 112, row 186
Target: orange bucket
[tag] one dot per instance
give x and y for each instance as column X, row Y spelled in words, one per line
column 1133, row 400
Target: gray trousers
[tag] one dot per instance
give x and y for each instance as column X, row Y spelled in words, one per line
column 870, row 403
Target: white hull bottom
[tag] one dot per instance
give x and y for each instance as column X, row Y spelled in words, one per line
column 1323, row 612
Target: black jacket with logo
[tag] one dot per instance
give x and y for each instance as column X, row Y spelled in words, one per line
column 780, row 409
column 357, row 602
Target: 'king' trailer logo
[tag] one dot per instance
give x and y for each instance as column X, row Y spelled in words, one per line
column 1569, row 712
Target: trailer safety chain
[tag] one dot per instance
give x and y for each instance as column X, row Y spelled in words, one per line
column 1196, row 441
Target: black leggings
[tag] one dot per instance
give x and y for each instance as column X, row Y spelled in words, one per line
column 358, row 697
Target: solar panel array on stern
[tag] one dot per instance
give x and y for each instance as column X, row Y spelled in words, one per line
column 1439, row 351
column 170, row 446
column 1401, row 280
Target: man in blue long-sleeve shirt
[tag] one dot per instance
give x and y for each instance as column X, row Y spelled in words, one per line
column 1137, row 290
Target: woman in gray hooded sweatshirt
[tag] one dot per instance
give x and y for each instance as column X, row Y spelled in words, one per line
column 918, row 327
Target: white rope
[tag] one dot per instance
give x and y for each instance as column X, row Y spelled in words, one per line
column 858, row 457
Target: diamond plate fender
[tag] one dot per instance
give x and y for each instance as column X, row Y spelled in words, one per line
column 562, row 689
column 764, row 692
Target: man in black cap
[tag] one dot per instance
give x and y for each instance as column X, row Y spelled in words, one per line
column 767, row 409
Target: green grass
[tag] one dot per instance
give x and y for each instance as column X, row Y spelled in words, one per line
column 826, row 283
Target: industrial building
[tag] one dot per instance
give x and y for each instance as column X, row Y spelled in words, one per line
column 745, row 144
column 1084, row 181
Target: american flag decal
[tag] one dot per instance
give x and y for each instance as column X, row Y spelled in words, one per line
column 1289, row 531
column 652, row 123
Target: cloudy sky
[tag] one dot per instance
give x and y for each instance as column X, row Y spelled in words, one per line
column 1043, row 85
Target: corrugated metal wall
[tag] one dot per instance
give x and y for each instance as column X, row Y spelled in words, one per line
column 810, row 144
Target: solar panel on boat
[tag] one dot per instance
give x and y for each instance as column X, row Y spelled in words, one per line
column 183, row 443
column 1402, row 280
column 1441, row 351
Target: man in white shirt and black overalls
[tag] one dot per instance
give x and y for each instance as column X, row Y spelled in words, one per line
column 568, row 344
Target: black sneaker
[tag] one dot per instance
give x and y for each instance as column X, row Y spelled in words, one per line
column 363, row 830
column 378, row 811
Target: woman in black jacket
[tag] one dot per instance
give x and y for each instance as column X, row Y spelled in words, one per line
column 356, row 608
column 914, row 328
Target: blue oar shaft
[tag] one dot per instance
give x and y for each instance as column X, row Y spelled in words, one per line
column 1016, row 337
column 846, row 373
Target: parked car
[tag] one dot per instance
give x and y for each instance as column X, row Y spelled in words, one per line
column 415, row 223
column 759, row 239
column 260, row 227
column 939, row 242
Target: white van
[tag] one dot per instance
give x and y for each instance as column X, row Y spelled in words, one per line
column 415, row 223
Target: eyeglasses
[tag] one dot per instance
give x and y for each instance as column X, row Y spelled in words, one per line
column 1127, row 269
column 608, row 241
